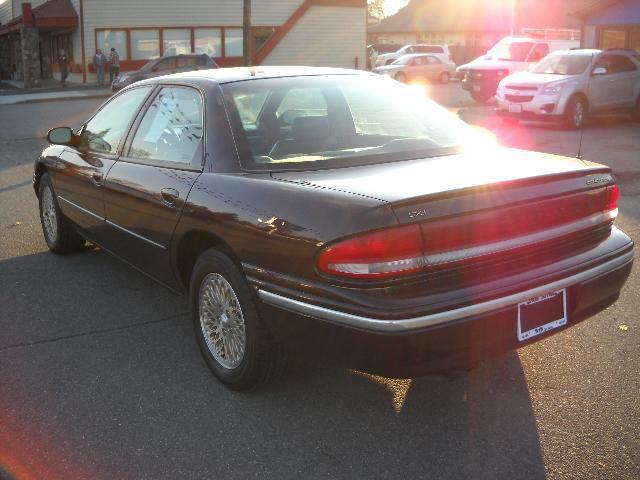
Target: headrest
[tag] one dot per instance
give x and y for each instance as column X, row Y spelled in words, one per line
column 307, row 129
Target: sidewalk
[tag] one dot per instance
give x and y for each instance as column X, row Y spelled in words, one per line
column 11, row 94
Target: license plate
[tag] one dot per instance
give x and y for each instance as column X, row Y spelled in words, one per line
column 476, row 88
column 515, row 108
column 541, row 314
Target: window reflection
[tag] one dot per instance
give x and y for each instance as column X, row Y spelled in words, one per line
column 104, row 131
column 171, row 129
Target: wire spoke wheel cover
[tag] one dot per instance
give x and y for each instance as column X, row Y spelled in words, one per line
column 49, row 217
column 578, row 114
column 221, row 321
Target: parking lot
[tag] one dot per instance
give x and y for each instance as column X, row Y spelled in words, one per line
column 100, row 376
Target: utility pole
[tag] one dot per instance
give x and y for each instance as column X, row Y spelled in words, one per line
column 246, row 32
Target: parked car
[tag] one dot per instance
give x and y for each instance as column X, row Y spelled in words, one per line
column 376, row 49
column 300, row 206
column 570, row 85
column 164, row 66
column 419, row 66
column 440, row 51
column 481, row 76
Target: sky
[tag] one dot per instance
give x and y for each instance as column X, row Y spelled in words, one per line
column 390, row 6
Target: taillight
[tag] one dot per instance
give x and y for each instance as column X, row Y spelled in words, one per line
column 380, row 254
column 613, row 194
column 448, row 241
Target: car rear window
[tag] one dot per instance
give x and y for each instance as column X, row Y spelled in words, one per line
column 336, row 120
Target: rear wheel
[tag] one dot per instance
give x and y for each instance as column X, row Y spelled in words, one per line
column 232, row 338
column 481, row 97
column 59, row 233
column 401, row 77
column 444, row 77
column 575, row 114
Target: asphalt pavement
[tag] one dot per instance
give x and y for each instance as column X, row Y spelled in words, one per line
column 100, row 376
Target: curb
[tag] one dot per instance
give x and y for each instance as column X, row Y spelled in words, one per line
column 57, row 99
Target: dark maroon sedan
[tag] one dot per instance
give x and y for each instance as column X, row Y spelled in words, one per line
column 334, row 208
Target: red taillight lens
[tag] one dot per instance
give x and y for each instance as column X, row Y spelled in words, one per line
column 613, row 194
column 381, row 254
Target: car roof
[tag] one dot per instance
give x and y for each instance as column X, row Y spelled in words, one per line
column 235, row 74
column 578, row 51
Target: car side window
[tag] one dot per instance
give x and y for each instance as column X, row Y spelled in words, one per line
column 103, row 133
column 171, row 129
column 186, row 62
column 433, row 61
column 606, row 61
column 166, row 64
column 540, row 51
column 620, row 63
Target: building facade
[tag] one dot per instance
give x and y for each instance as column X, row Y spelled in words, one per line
column 284, row 32
column 471, row 27
column 611, row 24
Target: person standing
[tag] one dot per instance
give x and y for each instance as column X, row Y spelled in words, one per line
column 98, row 64
column 114, row 71
column 63, row 65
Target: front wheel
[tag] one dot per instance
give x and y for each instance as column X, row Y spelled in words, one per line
column 232, row 338
column 575, row 114
column 59, row 233
column 401, row 77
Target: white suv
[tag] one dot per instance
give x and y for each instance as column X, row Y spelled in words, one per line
column 569, row 85
column 439, row 51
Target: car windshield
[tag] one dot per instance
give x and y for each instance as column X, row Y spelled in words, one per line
column 311, row 122
column 563, row 64
column 510, row 50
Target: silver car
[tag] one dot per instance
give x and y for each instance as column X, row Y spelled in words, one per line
column 570, row 85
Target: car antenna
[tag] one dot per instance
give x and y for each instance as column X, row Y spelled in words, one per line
column 579, row 155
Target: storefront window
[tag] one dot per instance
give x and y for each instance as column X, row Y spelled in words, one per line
column 145, row 44
column 613, row 39
column 208, row 40
column 176, row 41
column 108, row 39
column 261, row 35
column 634, row 39
column 233, row 42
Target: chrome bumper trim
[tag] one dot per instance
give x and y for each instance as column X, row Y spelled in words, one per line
column 407, row 324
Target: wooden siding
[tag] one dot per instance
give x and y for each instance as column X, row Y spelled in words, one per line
column 329, row 36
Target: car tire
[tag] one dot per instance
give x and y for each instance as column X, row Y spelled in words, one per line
column 233, row 340
column 400, row 77
column 481, row 97
column 444, row 78
column 575, row 114
column 59, row 233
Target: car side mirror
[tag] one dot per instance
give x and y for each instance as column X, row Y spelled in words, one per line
column 61, row 136
column 599, row 71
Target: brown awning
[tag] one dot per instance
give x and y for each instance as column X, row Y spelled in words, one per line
column 51, row 14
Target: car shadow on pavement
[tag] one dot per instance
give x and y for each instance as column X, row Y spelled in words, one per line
column 102, row 377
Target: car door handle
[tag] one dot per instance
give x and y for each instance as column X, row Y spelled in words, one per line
column 97, row 178
column 169, row 196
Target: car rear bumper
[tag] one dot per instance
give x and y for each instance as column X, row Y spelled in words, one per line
column 414, row 345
